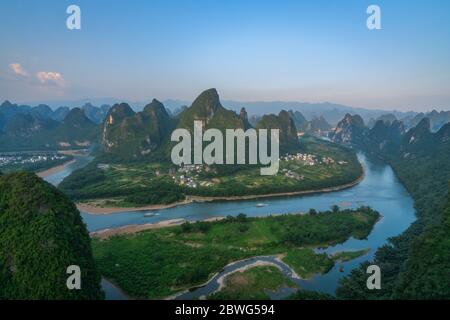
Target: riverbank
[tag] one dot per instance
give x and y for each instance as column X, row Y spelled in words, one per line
column 189, row 256
column 93, row 209
column 135, row 228
column 48, row 172
column 72, row 153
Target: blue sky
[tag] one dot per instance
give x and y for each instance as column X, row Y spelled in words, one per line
column 250, row 50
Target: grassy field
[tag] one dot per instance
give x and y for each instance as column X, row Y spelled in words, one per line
column 139, row 184
column 158, row 263
column 253, row 284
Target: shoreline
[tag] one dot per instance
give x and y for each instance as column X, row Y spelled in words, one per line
column 105, row 234
column 53, row 170
column 94, row 210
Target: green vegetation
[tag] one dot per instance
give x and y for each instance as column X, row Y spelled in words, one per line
column 248, row 181
column 161, row 262
column 349, row 255
column 41, row 234
column 252, row 284
column 288, row 132
column 306, row 263
column 26, row 132
column 131, row 185
column 134, row 184
column 416, row 264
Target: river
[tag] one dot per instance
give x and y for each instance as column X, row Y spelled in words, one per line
column 380, row 189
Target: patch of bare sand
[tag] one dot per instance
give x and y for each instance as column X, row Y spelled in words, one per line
column 94, row 207
column 48, row 172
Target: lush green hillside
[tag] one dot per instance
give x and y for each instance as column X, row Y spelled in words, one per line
column 288, row 132
column 129, row 136
column 416, row 264
column 137, row 184
column 253, row 284
column 25, row 131
column 135, row 169
column 41, row 234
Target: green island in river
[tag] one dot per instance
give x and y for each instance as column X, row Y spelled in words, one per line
column 320, row 166
column 163, row 262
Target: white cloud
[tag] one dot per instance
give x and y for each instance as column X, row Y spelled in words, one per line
column 50, row 77
column 18, row 70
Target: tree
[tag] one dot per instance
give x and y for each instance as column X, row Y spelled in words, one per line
column 241, row 217
column 41, row 235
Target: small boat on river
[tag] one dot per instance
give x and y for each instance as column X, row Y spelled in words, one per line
column 260, row 205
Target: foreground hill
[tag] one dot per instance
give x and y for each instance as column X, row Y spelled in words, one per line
column 44, row 112
column 41, row 235
column 322, row 165
column 416, row 264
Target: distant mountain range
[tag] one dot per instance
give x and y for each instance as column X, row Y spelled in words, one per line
column 331, row 112
column 43, row 112
column 388, row 139
column 127, row 135
column 42, row 230
column 23, row 125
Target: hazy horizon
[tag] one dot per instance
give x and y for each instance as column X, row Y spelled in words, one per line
column 251, row 51
column 98, row 101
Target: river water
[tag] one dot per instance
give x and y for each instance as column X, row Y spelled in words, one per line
column 380, row 189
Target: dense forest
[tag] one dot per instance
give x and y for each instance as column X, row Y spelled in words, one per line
column 160, row 262
column 41, row 234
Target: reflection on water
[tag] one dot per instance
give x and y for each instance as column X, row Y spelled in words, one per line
column 379, row 189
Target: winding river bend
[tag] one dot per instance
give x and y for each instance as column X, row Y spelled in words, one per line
column 380, row 189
